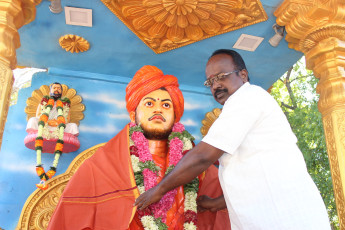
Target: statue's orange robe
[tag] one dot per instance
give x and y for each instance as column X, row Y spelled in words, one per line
column 101, row 194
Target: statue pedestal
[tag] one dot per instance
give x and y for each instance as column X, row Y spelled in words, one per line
column 71, row 143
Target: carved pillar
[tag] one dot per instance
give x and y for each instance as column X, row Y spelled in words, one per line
column 13, row 15
column 6, row 82
column 316, row 28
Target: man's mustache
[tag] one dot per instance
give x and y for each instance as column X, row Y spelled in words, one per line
column 56, row 95
column 153, row 117
column 218, row 91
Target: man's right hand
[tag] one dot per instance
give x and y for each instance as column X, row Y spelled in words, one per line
column 149, row 197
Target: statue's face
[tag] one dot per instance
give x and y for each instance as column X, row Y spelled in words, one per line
column 56, row 90
column 155, row 114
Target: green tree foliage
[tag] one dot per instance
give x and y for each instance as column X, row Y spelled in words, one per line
column 296, row 93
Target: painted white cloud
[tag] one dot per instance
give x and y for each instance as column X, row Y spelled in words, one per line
column 105, row 98
column 12, row 162
column 123, row 116
column 189, row 122
column 98, row 129
column 18, row 126
column 120, row 116
column 189, row 106
column 23, row 168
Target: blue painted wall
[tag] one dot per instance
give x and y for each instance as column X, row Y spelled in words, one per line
column 105, row 116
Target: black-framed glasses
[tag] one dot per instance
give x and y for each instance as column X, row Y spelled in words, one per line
column 218, row 77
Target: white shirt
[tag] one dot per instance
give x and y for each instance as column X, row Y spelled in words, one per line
column 262, row 172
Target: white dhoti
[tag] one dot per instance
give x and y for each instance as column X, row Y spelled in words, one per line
column 32, row 126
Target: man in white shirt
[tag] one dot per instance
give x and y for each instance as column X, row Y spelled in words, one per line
column 262, row 172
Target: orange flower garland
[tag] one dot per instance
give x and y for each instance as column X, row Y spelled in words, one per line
column 38, row 143
column 61, row 120
column 59, row 147
column 49, row 101
column 59, row 103
column 44, row 117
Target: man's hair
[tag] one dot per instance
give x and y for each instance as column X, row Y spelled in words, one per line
column 55, row 83
column 236, row 57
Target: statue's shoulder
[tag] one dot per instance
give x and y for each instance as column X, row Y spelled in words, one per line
column 44, row 100
column 66, row 100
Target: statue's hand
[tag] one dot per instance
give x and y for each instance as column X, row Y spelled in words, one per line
column 149, row 197
column 53, row 123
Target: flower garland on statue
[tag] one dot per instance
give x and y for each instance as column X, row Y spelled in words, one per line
column 145, row 173
column 48, row 103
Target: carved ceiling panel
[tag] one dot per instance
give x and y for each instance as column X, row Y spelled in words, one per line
column 307, row 23
column 164, row 25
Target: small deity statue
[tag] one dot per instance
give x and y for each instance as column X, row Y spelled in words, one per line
column 51, row 128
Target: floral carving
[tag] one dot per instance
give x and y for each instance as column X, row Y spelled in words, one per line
column 207, row 122
column 6, row 82
column 74, row 43
column 40, row 205
column 309, row 22
column 334, row 163
column 168, row 24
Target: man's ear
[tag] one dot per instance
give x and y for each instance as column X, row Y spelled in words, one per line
column 244, row 75
column 132, row 116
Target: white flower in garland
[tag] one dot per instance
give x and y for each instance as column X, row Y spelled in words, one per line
column 65, row 111
column 43, row 107
column 189, row 226
column 131, row 142
column 149, row 223
column 141, row 189
column 54, row 134
column 187, row 144
column 46, row 133
column 135, row 163
column 190, row 201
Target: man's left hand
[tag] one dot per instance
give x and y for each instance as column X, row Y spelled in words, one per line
column 206, row 203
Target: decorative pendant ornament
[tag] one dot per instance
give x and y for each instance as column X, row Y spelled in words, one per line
column 48, row 103
column 145, row 173
column 73, row 43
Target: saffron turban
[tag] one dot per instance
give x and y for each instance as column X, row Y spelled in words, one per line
column 148, row 79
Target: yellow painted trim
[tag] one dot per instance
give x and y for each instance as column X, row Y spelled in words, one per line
column 22, row 67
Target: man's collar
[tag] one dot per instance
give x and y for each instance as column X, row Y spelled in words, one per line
column 245, row 85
